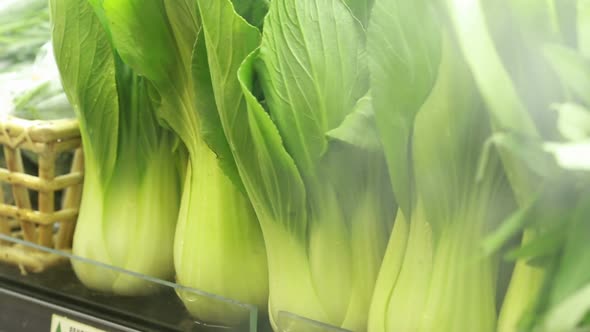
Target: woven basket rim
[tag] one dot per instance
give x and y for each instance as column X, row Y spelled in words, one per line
column 40, row 131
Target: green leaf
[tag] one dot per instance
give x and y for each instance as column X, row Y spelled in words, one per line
column 267, row 170
column 312, row 71
column 99, row 11
column 574, row 269
column 211, row 129
column 549, row 207
column 506, row 108
column 527, row 151
column 161, row 52
column 448, row 136
column 143, row 37
column 403, row 46
column 139, row 131
column 272, row 177
column 572, row 68
column 179, row 70
column 182, row 17
column 519, row 29
column 359, row 128
column 563, row 301
column 88, row 73
column 515, row 223
column 547, row 243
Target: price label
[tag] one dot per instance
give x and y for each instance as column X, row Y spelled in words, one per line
column 64, row 324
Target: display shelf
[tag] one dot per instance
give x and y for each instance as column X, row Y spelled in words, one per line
column 289, row 322
column 30, row 300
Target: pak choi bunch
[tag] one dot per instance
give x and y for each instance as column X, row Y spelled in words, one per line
column 301, row 130
column 131, row 192
column 540, row 116
column 433, row 127
column 527, row 65
column 218, row 245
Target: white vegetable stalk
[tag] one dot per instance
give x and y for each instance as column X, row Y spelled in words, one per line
column 218, row 246
column 128, row 223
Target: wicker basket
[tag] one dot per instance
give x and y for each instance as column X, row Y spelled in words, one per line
column 46, row 223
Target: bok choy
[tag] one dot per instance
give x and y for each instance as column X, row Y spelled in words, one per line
column 218, row 247
column 520, row 51
column 131, row 190
column 541, row 56
column 433, row 128
column 301, row 131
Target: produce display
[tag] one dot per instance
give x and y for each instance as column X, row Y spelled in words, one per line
column 372, row 165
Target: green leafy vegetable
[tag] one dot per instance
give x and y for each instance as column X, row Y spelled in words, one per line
column 538, row 73
column 293, row 149
column 131, row 191
column 218, row 245
column 432, row 277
